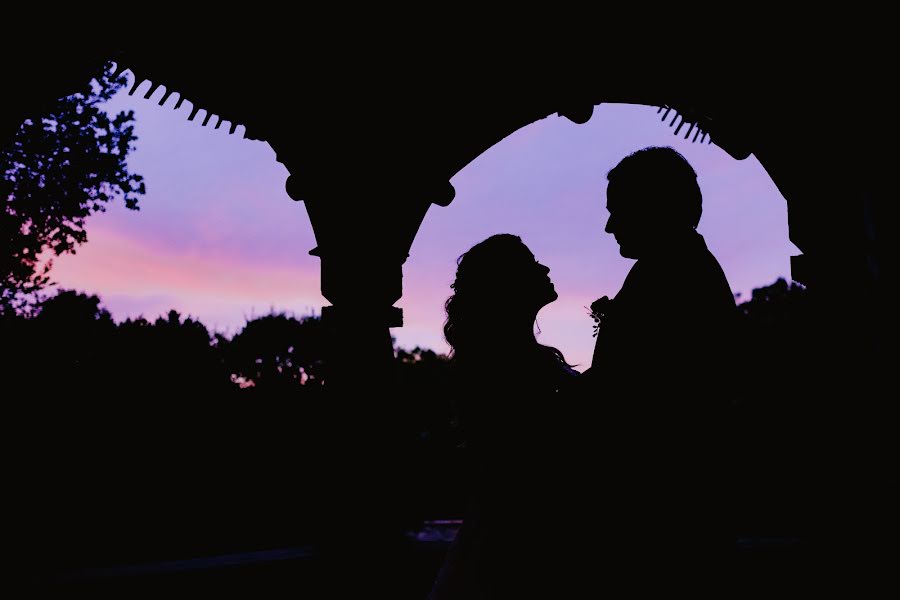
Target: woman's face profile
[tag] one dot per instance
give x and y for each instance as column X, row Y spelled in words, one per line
column 530, row 280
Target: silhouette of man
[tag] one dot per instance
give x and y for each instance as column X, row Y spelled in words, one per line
column 658, row 374
column 676, row 296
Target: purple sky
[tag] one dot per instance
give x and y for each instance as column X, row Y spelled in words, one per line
column 218, row 238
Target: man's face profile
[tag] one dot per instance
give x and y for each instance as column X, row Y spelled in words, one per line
column 625, row 223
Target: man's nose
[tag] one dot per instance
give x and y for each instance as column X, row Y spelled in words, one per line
column 609, row 225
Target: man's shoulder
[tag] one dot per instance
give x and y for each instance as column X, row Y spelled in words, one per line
column 701, row 267
column 691, row 272
column 714, row 275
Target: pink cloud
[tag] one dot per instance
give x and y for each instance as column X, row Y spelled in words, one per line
column 116, row 266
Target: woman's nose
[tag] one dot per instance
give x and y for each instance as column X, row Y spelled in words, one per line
column 545, row 269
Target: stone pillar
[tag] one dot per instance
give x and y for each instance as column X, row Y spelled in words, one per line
column 364, row 455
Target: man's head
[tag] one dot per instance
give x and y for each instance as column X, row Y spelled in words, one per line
column 653, row 198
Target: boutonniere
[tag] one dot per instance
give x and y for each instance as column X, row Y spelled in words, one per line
column 599, row 311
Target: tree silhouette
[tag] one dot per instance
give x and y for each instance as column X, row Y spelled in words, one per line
column 173, row 357
column 425, row 417
column 58, row 170
column 776, row 404
column 775, row 332
column 278, row 352
column 65, row 344
column 422, row 378
column 776, row 304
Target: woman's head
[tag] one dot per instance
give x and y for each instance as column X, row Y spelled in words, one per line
column 499, row 287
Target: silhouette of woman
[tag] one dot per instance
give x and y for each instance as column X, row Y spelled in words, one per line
column 505, row 384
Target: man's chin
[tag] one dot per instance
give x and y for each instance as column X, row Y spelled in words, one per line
column 627, row 253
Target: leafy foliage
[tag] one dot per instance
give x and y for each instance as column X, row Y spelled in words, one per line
column 58, row 170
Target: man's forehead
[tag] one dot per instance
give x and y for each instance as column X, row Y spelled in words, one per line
column 623, row 194
column 612, row 196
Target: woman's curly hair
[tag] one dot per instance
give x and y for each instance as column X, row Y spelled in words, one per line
column 478, row 280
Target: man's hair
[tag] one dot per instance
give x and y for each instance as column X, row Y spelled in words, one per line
column 666, row 178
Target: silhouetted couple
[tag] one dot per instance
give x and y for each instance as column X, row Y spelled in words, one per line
column 615, row 478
